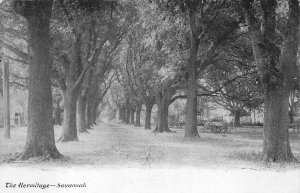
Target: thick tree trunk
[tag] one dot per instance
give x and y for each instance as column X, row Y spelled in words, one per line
column 97, row 111
column 132, row 111
column 237, row 115
column 191, row 103
column 276, row 146
column 80, row 117
column 69, row 132
column 57, row 114
column 113, row 114
column 276, row 68
column 90, row 114
column 6, row 103
column 93, row 115
column 96, row 114
column 127, row 115
column 87, row 115
column 92, row 105
column 162, row 123
column 291, row 116
column 74, row 79
column 191, row 113
column 122, row 114
column 162, row 100
column 149, row 107
column 138, row 115
column 40, row 133
column 90, row 97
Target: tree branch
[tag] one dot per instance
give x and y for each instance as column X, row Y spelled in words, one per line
column 68, row 16
column 80, row 78
column 16, row 51
column 17, row 60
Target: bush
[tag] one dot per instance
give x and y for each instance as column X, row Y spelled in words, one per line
column 258, row 124
column 252, row 124
column 216, row 127
column 201, row 122
column 216, row 119
column 176, row 124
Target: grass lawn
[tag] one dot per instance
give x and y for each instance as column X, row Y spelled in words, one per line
column 117, row 158
column 118, row 145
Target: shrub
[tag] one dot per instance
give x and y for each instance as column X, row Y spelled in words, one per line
column 252, row 124
column 216, row 127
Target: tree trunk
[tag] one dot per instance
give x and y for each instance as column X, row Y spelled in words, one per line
column 127, row 115
column 92, row 104
column 40, row 133
column 57, row 114
column 95, row 114
column 162, row 100
column 291, row 107
column 138, row 115
column 6, row 103
column 191, row 113
column 149, row 107
column 90, row 114
column 80, row 117
column 87, row 115
column 69, row 126
column 276, row 146
column 276, row 69
column 132, row 111
column 97, row 111
column 113, row 114
column 74, row 79
column 122, row 114
column 237, row 115
column 291, row 116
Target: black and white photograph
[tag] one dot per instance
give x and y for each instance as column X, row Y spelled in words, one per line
column 150, row 96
